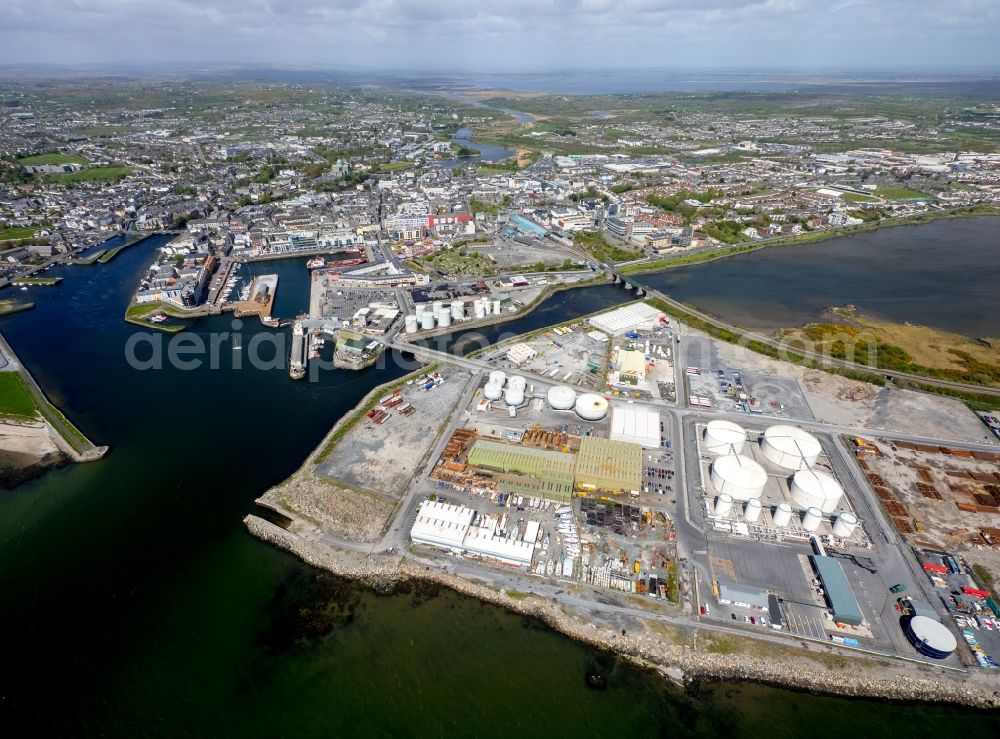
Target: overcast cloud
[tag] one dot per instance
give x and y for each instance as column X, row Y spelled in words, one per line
column 508, row 34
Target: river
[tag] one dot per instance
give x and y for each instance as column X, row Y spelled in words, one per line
column 487, row 153
column 944, row 274
column 134, row 603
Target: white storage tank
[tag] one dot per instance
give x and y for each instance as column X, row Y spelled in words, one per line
column 492, row 391
column 724, row 437
column 812, row 518
column 782, row 515
column 499, row 377
column 420, row 308
column 561, row 398
column 517, row 381
column 436, row 307
column 723, row 504
column 591, row 407
column 738, row 476
column 477, row 310
column 496, row 307
column 931, row 637
column 816, row 488
column 753, row 510
column 845, row 524
column 514, row 395
column 411, row 324
column 427, row 321
column 790, row 447
column 457, row 310
column 444, row 317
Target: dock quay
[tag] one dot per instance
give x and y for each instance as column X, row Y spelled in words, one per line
column 261, row 300
column 67, row 436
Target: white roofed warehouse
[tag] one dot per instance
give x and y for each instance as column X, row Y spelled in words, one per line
column 635, row 425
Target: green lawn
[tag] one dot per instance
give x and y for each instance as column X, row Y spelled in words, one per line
column 33, row 280
column 93, row 174
column 17, row 232
column 855, row 198
column 54, row 158
column 15, row 400
column 902, row 193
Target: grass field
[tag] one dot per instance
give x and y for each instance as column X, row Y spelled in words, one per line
column 901, row 193
column 15, row 400
column 54, row 158
column 108, row 254
column 93, row 174
column 12, row 306
column 855, row 198
column 17, row 232
column 37, row 280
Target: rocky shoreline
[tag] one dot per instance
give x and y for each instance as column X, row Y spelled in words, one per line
column 673, row 661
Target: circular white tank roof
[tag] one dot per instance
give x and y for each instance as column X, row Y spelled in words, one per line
column 591, row 407
column 513, row 395
column 492, row 391
column 724, row 437
column 815, row 488
column 934, row 634
column 790, row 447
column 499, row 377
column 517, row 381
column 561, row 398
column 738, row 476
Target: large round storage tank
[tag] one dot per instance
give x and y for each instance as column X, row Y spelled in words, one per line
column 499, row 377
column 845, row 524
column 724, row 437
column 492, row 391
column 930, row 637
column 411, row 324
column 782, row 515
column 723, row 504
column 513, row 395
column 444, row 317
column 477, row 310
column 496, row 307
column 561, row 398
column 815, row 488
column 436, row 307
column 427, row 321
column 457, row 310
column 753, row 510
column 591, row 407
column 790, row 447
column 517, row 381
column 420, row 309
column 812, row 518
column 738, row 476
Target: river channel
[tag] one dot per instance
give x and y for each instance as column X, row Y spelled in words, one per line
column 944, row 274
column 135, row 604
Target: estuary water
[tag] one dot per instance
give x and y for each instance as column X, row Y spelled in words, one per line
column 944, row 274
column 135, row 604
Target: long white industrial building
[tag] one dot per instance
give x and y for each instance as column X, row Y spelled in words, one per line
column 450, row 527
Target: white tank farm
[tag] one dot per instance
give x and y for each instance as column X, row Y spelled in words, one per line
column 790, row 447
column 499, row 377
column 427, row 321
column 561, row 398
column 753, row 510
column 816, row 488
column 724, row 437
column 845, row 524
column 411, row 324
column 457, row 310
column 591, row 407
column 782, row 515
column 812, row 518
column 492, row 391
column 514, row 395
column 723, row 504
column 738, row 476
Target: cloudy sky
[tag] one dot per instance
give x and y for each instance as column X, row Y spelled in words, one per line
column 502, row 35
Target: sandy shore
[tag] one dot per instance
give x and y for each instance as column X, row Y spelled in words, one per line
column 854, row 676
column 26, row 451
